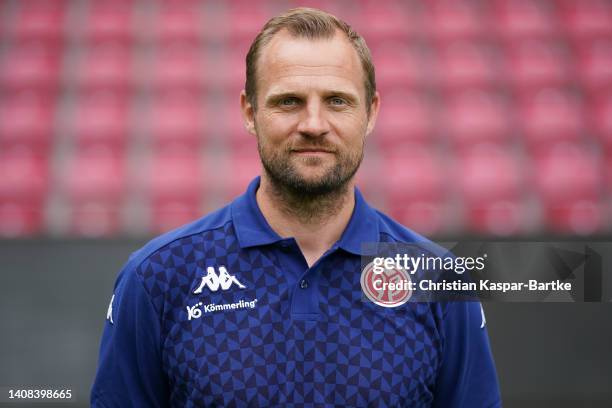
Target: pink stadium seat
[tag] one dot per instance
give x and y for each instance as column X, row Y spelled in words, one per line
column 401, row 65
column 178, row 23
column 39, row 22
column 177, row 120
column 176, row 186
column 94, row 182
column 233, row 133
column 467, row 63
column 491, row 183
column 595, row 63
column 23, row 190
column 551, row 115
column 384, row 21
column 241, row 169
column 245, row 18
column 179, row 68
column 102, row 120
column 110, row 21
column 538, row 62
column 414, row 189
column 106, row 66
column 26, row 120
column 601, row 117
column 524, row 18
column 30, row 68
column 407, row 117
column 587, row 18
column 569, row 180
column 455, row 19
column 474, row 116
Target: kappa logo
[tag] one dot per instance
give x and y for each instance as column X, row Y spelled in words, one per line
column 213, row 281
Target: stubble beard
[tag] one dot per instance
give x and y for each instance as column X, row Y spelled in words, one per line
column 309, row 199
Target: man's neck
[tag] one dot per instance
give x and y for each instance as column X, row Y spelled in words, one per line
column 315, row 223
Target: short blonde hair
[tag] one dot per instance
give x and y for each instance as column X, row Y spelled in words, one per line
column 313, row 24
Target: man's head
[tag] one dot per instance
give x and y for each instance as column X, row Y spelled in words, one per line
column 310, row 99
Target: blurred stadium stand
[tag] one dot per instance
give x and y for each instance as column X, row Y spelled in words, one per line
column 121, row 117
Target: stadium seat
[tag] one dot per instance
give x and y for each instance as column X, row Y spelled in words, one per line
column 110, row 21
column 177, row 120
column 26, row 120
column 538, row 63
column 24, row 186
column 178, row 23
column 491, row 183
column 595, row 63
column 240, row 168
column 587, row 18
column 569, row 180
column 94, row 185
column 407, row 117
column 176, row 184
column 102, row 120
column 601, row 119
column 401, row 65
column 516, row 19
column 179, row 68
column 106, row 66
column 233, row 133
column 455, row 19
column 386, row 21
column 475, row 116
column 551, row 115
column 30, row 68
column 40, row 22
column 467, row 64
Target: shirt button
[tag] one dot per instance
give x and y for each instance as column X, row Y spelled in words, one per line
column 303, row 284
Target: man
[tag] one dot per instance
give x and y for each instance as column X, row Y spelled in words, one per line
column 259, row 304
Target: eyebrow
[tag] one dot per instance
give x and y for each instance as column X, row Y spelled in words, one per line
column 274, row 98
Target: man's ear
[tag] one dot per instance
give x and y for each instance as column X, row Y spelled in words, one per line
column 374, row 108
column 248, row 113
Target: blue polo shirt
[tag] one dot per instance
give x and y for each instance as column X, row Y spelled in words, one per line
column 225, row 312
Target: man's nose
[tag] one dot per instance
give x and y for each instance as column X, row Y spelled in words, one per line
column 313, row 122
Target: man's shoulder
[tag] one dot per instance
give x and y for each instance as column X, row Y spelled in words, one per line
column 216, row 220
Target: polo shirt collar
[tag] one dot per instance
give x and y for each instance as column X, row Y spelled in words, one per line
column 252, row 229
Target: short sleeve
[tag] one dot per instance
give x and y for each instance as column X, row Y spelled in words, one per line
column 467, row 376
column 130, row 370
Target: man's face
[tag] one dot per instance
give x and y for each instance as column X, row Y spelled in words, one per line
column 311, row 119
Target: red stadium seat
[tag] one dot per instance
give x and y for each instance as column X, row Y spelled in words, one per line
column 516, row 19
column 23, row 191
column 176, row 184
column 407, row 117
column 110, row 21
column 455, row 19
column 102, row 120
column 384, row 21
column 30, row 68
column 601, row 116
column 245, row 18
column 241, row 169
column 551, row 115
column 474, row 116
column 537, row 63
column 106, row 66
column 178, row 23
column 233, row 132
column 587, row 18
column 177, row 120
column 491, row 182
column 179, row 68
column 569, row 180
column 94, row 183
column 595, row 63
column 26, row 120
column 401, row 65
column 467, row 63
column 39, row 22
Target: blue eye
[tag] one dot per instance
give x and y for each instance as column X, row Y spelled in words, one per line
column 337, row 101
column 288, row 102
